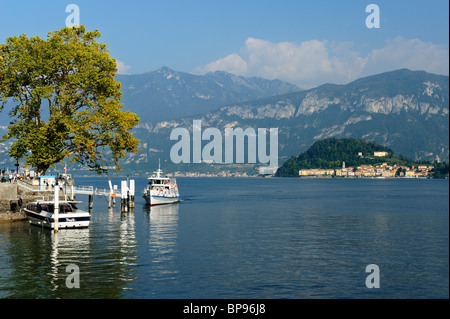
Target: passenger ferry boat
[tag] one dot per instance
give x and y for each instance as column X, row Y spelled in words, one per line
column 69, row 216
column 161, row 190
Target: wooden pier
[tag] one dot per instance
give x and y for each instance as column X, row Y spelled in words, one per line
column 15, row 196
column 126, row 193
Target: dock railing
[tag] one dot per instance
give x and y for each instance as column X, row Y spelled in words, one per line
column 125, row 193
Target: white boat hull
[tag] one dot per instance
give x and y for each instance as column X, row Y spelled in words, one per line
column 67, row 220
column 160, row 200
column 161, row 190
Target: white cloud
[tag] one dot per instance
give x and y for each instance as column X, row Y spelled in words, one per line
column 286, row 60
column 315, row 62
column 232, row 63
column 122, row 68
column 412, row 54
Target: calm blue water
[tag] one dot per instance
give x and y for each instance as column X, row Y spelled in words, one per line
column 244, row 238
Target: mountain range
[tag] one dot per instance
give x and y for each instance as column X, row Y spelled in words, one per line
column 167, row 94
column 407, row 111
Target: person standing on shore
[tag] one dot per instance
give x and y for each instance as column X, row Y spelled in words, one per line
column 10, row 177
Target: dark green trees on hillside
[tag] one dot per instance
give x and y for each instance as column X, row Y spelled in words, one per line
column 331, row 152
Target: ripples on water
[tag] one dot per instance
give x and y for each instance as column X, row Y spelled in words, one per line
column 244, row 238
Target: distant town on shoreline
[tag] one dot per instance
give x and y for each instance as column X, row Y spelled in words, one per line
column 349, row 157
column 328, row 158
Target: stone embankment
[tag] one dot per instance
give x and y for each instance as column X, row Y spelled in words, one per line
column 15, row 196
column 9, row 203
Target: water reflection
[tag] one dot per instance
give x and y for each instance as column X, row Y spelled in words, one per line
column 110, row 265
column 66, row 246
column 39, row 257
column 314, row 242
column 162, row 240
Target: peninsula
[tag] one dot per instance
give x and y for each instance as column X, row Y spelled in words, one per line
column 350, row 157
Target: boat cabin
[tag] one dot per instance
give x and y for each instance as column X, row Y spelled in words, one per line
column 50, row 208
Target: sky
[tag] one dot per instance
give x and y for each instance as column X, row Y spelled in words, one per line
column 303, row 42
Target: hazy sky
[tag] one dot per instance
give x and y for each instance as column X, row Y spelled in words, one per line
column 303, row 42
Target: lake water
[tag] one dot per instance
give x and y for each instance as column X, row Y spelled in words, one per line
column 244, row 238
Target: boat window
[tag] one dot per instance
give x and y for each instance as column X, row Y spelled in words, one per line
column 65, row 208
column 47, row 208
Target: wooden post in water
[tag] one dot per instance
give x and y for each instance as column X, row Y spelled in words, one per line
column 91, row 200
column 56, row 209
column 131, row 193
column 124, row 190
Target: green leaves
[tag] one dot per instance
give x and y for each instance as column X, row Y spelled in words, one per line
column 67, row 100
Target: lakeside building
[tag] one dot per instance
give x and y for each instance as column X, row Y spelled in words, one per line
column 316, row 172
column 344, row 172
column 218, row 174
column 380, row 154
column 412, row 173
column 382, row 170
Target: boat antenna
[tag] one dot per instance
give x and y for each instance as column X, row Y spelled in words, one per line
column 158, row 172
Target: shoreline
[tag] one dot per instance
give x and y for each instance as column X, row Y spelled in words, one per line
column 261, row 176
column 11, row 217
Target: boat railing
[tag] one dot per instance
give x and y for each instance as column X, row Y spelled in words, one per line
column 103, row 191
column 83, row 189
column 35, row 188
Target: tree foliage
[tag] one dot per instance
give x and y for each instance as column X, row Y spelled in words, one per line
column 440, row 170
column 66, row 100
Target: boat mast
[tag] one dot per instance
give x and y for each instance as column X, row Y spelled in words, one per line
column 158, row 172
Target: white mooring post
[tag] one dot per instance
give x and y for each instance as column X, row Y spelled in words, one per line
column 110, row 193
column 56, row 210
column 72, row 195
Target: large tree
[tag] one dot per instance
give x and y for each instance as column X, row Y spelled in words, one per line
column 66, row 101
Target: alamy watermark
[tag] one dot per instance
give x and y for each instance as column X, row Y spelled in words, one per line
column 73, row 280
column 373, row 19
column 232, row 144
column 373, row 280
column 73, row 19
